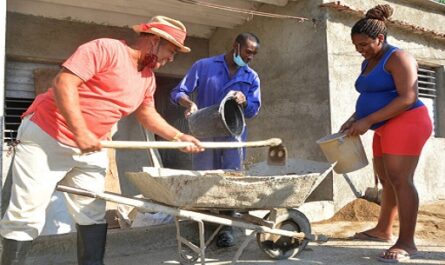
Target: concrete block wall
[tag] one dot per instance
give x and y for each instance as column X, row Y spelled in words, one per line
column 292, row 66
column 35, row 38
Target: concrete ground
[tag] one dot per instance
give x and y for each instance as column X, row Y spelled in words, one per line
column 155, row 246
column 333, row 252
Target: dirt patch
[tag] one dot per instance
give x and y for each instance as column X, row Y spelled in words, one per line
column 431, row 222
column 360, row 215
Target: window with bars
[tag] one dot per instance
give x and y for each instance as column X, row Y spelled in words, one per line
column 20, row 90
column 427, row 91
column 14, row 107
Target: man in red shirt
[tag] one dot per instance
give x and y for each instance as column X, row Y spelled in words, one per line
column 59, row 138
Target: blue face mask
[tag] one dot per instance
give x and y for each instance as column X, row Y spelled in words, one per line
column 237, row 59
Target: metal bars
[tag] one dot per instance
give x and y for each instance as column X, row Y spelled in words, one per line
column 13, row 108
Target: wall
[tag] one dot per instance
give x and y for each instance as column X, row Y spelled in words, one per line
column 51, row 40
column 291, row 64
column 2, row 84
column 344, row 66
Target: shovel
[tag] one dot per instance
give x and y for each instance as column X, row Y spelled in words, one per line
column 276, row 156
column 372, row 194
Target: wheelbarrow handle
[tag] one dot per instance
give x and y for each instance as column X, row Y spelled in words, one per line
column 179, row 145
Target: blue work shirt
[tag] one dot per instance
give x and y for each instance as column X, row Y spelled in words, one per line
column 210, row 79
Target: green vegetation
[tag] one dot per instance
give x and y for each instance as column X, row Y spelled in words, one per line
column 441, row 1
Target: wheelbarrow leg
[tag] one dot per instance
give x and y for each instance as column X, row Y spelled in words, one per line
column 202, row 242
column 199, row 251
column 240, row 250
column 178, row 238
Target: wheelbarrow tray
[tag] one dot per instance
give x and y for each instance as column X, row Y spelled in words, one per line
column 261, row 187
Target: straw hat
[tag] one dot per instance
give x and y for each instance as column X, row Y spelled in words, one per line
column 167, row 28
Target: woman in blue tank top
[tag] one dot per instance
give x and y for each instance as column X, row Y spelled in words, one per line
column 388, row 104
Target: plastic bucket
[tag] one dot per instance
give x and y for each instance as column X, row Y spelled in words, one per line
column 347, row 151
column 225, row 119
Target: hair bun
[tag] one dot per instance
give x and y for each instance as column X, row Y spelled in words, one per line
column 380, row 12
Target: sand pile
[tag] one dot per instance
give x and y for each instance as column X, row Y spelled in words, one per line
column 359, row 210
column 360, row 215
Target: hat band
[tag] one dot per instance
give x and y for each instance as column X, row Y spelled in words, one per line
column 177, row 34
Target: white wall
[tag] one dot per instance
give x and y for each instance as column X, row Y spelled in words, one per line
column 3, row 170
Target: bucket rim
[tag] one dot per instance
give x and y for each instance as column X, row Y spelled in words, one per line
column 221, row 112
column 330, row 137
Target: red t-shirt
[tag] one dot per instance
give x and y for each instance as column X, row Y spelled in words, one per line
column 112, row 89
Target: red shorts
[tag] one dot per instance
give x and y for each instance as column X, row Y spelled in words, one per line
column 404, row 134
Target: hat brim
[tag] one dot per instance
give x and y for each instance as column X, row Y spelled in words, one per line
column 163, row 35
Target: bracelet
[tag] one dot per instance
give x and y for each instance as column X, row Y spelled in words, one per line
column 177, row 136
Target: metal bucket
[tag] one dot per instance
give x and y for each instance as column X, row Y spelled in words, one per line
column 347, row 151
column 225, row 119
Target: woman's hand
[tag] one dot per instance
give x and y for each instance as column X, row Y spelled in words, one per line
column 359, row 127
column 346, row 125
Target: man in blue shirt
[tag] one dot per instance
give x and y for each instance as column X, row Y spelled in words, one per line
column 211, row 79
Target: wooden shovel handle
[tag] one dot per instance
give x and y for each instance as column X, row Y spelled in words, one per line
column 179, row 145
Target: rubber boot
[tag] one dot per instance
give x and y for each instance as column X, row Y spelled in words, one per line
column 91, row 241
column 225, row 237
column 15, row 252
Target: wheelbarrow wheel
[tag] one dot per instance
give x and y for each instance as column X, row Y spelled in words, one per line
column 282, row 247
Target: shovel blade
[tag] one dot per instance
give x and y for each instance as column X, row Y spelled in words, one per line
column 373, row 194
column 277, row 155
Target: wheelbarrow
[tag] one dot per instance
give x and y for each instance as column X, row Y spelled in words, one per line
column 282, row 233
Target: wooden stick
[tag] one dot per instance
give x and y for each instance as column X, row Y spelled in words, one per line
column 179, row 145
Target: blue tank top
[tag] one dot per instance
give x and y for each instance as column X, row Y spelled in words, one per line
column 377, row 89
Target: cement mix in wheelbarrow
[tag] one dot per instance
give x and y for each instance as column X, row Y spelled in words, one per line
column 260, row 187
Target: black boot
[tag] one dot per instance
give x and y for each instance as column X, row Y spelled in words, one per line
column 14, row 252
column 91, row 244
column 225, row 237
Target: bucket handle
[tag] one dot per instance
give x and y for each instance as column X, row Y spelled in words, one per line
column 341, row 139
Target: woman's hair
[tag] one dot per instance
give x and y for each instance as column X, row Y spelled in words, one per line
column 373, row 23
